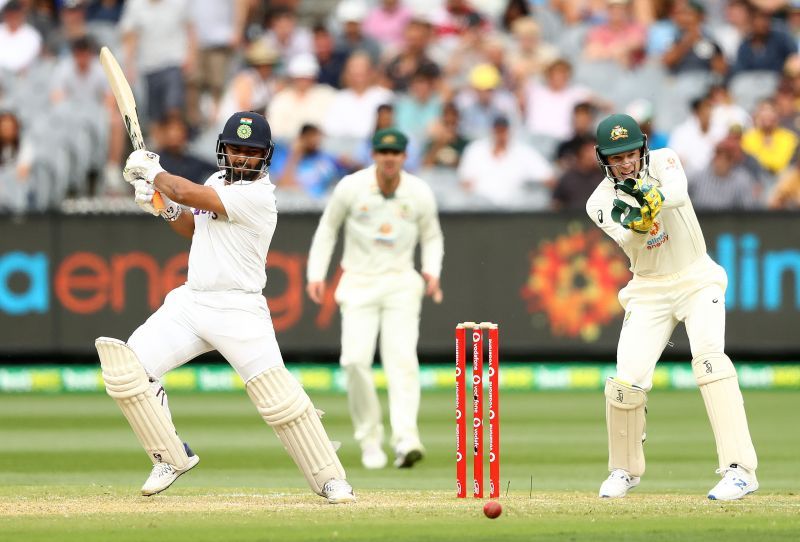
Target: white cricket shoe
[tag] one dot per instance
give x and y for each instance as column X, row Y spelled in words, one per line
column 338, row 491
column 736, row 483
column 373, row 457
column 618, row 483
column 407, row 454
column 163, row 475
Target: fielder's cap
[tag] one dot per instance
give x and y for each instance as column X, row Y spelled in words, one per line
column 304, row 66
column 618, row 133
column 389, row 139
column 247, row 129
column 484, row 77
column 261, row 54
column 351, row 11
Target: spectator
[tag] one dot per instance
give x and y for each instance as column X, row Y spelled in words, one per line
column 786, row 107
column 786, row 194
column 219, row 25
column 351, row 15
column 642, row 112
column 577, row 183
column 793, row 20
column 695, row 138
column 770, row 144
column 729, row 34
column 386, row 23
column 384, row 118
column 725, row 112
column 446, row 144
column 549, row 106
column 583, row 127
column 454, row 18
column 694, row 49
column 16, row 160
column 331, row 62
column 171, row 137
column 498, row 167
column 722, row 185
column 420, row 107
column 106, row 11
column 620, row 38
column 306, row 166
column 285, row 36
column 72, row 26
column 159, row 43
column 42, row 16
column 765, row 47
column 352, row 112
column 661, row 33
column 252, row 88
column 79, row 82
column 514, row 11
column 412, row 56
column 483, row 101
column 465, row 51
column 733, row 141
column 303, row 101
column 20, row 43
column 529, row 54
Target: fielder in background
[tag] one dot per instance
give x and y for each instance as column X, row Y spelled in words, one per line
column 385, row 212
column 643, row 204
column 231, row 219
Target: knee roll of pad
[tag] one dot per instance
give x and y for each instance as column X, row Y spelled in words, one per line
column 127, row 383
column 286, row 408
column 719, row 386
column 625, row 421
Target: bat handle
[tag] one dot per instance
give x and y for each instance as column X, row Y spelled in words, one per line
column 158, row 202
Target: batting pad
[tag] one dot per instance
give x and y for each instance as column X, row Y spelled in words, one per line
column 286, row 407
column 625, row 420
column 716, row 377
column 128, row 384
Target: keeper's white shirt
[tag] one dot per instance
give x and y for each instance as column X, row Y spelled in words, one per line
column 229, row 253
column 675, row 240
column 380, row 233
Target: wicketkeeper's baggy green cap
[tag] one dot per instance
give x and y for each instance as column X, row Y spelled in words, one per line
column 618, row 133
column 389, row 139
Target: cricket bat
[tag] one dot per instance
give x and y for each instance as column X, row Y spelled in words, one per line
column 127, row 106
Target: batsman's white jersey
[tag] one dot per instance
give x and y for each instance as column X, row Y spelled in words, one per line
column 221, row 306
column 674, row 279
column 380, row 291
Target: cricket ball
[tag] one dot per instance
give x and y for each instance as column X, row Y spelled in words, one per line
column 492, row 509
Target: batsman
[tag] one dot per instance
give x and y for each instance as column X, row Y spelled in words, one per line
column 230, row 219
column 643, row 204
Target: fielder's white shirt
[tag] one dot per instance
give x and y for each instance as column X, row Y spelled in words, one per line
column 675, row 240
column 380, row 233
column 229, row 253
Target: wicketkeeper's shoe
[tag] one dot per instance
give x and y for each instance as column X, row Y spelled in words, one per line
column 163, row 474
column 338, row 491
column 618, row 483
column 407, row 454
column 373, row 456
column 736, row 483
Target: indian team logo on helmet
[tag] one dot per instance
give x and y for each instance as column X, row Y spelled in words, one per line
column 618, row 132
column 245, row 129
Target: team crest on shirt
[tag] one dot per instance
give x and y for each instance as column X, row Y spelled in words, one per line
column 618, row 132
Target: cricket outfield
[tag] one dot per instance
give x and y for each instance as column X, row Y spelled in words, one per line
column 70, row 469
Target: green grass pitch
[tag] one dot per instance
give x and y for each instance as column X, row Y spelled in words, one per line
column 70, row 469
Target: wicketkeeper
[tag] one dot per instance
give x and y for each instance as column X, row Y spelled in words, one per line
column 231, row 219
column 643, row 204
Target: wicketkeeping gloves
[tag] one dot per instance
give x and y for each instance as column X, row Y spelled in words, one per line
column 639, row 219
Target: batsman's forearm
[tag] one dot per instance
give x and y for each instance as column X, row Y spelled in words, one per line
column 174, row 187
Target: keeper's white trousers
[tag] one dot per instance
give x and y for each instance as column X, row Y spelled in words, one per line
column 387, row 305
column 190, row 323
column 654, row 306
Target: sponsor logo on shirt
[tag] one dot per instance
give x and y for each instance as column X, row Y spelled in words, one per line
column 198, row 212
column 657, row 239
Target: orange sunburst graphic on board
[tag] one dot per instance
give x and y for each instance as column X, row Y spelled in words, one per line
column 573, row 282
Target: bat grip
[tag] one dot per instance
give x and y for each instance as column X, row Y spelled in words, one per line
column 158, row 202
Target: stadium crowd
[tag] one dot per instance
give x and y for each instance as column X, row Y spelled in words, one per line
column 499, row 98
